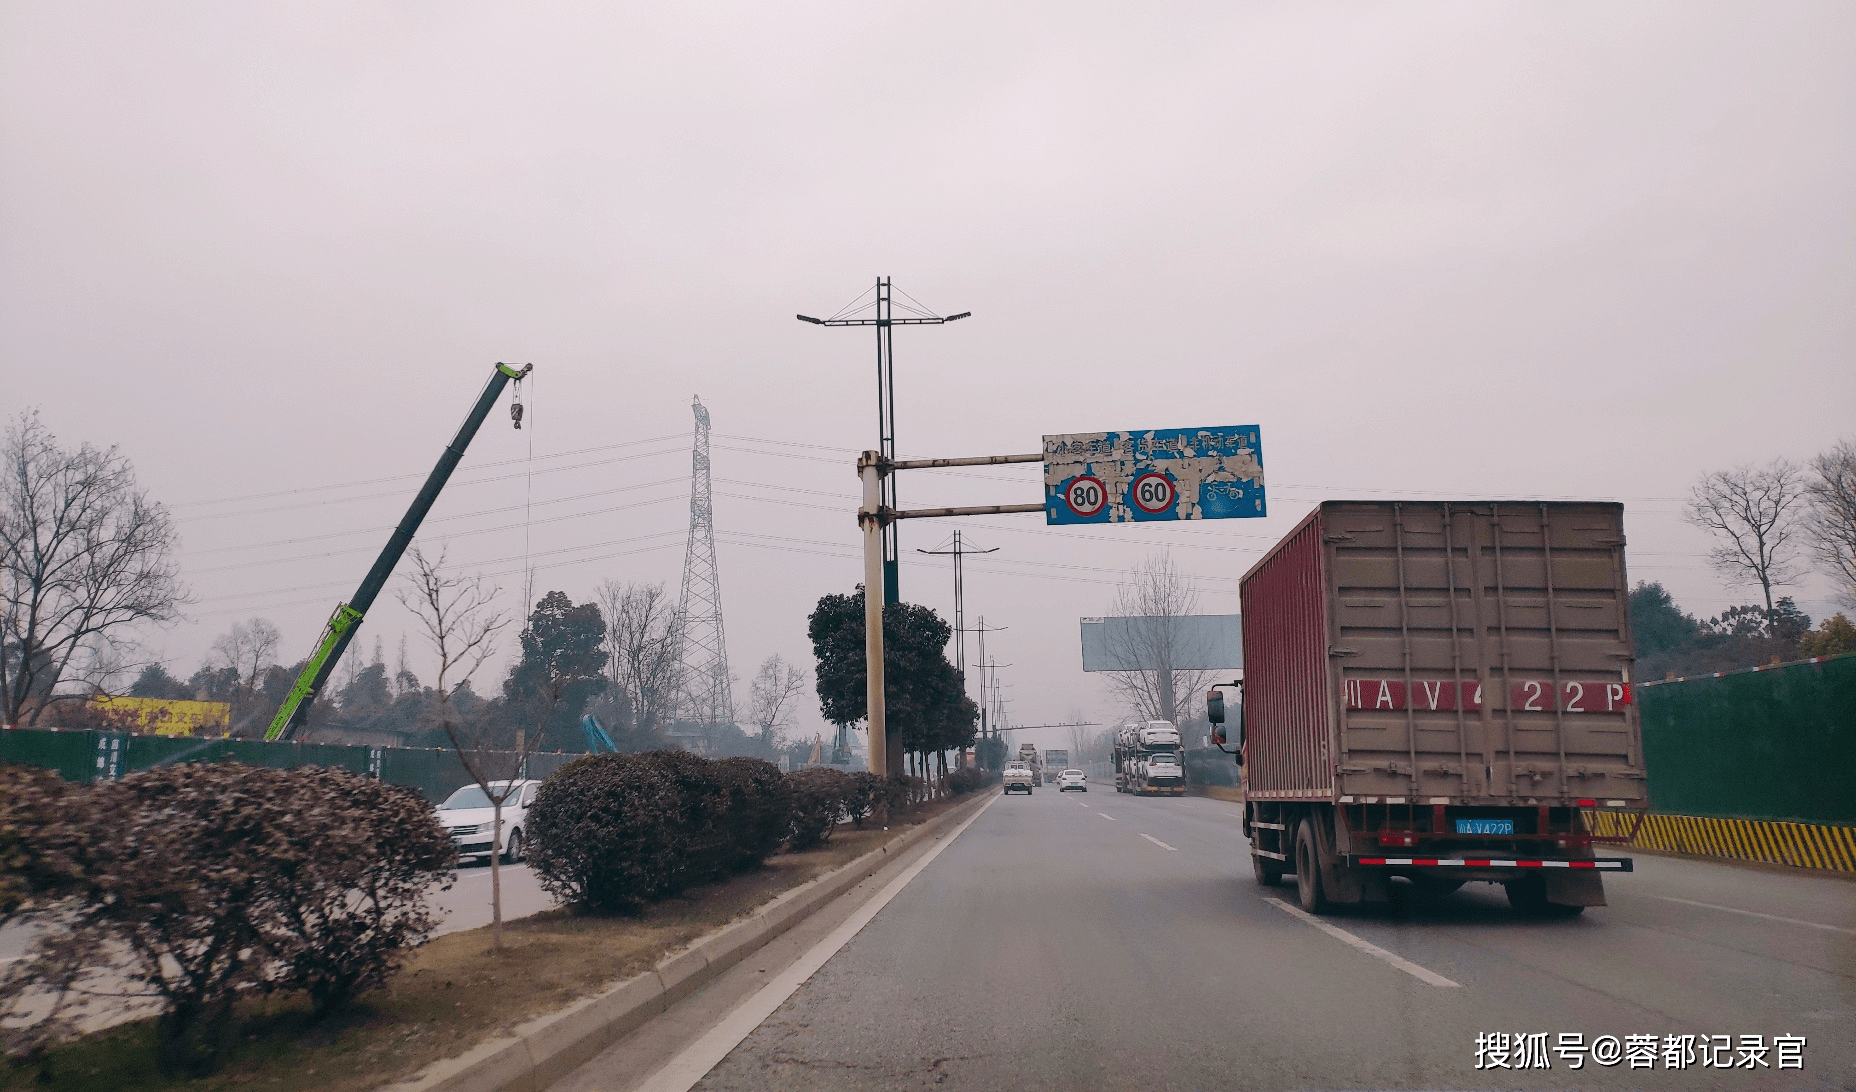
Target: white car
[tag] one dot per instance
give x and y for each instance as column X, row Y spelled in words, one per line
column 468, row 814
column 1072, row 779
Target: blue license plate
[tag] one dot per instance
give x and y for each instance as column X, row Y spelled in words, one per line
column 1485, row 826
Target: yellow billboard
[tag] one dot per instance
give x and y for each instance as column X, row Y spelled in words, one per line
column 165, row 716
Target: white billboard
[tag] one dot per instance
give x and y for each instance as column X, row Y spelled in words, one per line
column 1195, row 642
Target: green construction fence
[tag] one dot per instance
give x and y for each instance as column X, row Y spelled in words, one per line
column 85, row 757
column 1775, row 743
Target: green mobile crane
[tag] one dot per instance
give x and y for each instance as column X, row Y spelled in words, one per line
column 347, row 617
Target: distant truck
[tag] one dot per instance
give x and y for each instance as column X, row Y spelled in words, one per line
column 1018, row 778
column 1055, row 762
column 1438, row 691
column 1028, row 754
column 1148, row 759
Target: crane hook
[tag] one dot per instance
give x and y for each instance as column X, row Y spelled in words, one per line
column 515, row 405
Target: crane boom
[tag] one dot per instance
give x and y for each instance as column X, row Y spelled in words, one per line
column 347, row 617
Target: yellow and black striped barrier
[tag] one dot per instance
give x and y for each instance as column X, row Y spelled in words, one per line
column 1801, row 845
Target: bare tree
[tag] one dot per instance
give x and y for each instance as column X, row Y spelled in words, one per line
column 644, row 647
column 460, row 622
column 248, row 648
column 771, row 695
column 1752, row 512
column 85, row 557
column 1833, row 517
column 1153, row 601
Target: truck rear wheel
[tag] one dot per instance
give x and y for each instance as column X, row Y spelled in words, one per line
column 1269, row 870
column 1308, row 870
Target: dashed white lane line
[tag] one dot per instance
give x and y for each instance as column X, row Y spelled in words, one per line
column 1757, row 914
column 1374, row 950
column 682, row 1072
column 1107, row 816
column 1158, row 842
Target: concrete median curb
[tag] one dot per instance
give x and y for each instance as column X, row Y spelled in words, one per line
column 547, row 1048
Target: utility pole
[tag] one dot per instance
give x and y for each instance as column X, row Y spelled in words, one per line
column 885, row 322
column 986, row 666
column 960, row 612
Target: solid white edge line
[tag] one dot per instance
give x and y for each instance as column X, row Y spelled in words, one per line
column 1158, row 842
column 695, row 1061
column 1757, row 914
column 1374, row 950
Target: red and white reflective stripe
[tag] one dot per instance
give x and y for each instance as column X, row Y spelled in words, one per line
column 1445, row 862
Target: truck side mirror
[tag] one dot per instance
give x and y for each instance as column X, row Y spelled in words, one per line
column 1214, row 710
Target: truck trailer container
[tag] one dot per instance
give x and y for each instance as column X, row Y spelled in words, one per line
column 1440, row 691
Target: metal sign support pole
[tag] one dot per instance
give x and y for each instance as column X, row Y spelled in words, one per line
column 870, row 521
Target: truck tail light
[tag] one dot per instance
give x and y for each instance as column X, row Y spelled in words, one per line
column 1397, row 838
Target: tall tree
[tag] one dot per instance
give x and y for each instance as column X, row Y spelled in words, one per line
column 1752, row 512
column 1833, row 517
column 1656, row 623
column 1153, row 601
column 563, row 655
column 925, row 702
column 644, row 649
column 85, row 557
column 776, row 686
column 247, row 649
column 460, row 620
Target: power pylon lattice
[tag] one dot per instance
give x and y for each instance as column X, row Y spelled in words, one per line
column 707, row 697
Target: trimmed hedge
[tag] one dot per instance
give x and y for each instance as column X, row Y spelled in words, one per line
column 613, row 832
column 203, row 882
column 610, row 833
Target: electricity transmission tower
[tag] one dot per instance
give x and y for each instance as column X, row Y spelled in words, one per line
column 707, row 699
column 883, row 318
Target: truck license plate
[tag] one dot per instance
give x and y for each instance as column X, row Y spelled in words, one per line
column 1485, row 826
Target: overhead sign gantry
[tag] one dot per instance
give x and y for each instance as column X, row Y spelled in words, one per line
column 1089, row 477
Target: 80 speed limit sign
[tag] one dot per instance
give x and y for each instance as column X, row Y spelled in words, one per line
column 1153, row 493
column 1085, row 496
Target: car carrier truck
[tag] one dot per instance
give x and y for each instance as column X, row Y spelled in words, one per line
column 1148, row 761
column 1440, row 691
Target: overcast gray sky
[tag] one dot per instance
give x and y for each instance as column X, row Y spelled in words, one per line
column 1436, row 250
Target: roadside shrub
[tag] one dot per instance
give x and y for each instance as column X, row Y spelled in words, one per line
column 202, row 882
column 350, row 885
column 35, row 837
column 605, row 833
column 866, row 797
column 902, row 792
column 705, row 848
column 819, row 798
column 760, row 806
column 967, row 779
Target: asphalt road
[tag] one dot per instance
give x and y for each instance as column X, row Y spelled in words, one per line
column 1102, row 941
column 467, row 904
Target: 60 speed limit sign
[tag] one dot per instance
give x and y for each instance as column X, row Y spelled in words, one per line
column 1085, row 496
column 1153, row 493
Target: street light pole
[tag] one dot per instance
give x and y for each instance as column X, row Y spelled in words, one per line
column 870, row 521
column 885, row 321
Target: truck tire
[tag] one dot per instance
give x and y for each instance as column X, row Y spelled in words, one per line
column 1269, row 871
column 1528, row 896
column 1308, row 890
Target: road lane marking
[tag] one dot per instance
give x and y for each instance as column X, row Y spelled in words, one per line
column 1757, row 914
column 682, row 1072
column 1158, row 842
column 1374, row 950
column 1107, row 816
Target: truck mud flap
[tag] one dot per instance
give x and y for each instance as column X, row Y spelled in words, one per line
column 1602, row 864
